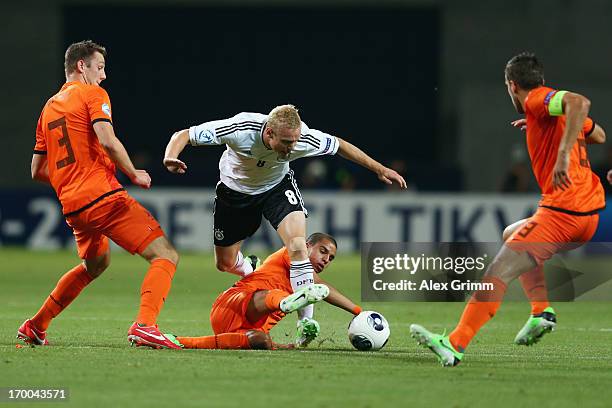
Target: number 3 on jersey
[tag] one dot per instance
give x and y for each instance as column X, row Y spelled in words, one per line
column 63, row 141
column 291, row 197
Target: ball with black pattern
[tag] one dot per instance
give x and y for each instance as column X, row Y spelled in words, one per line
column 369, row 331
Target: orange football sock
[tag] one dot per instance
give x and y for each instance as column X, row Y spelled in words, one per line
column 155, row 288
column 534, row 286
column 228, row 341
column 273, row 299
column 480, row 309
column 67, row 289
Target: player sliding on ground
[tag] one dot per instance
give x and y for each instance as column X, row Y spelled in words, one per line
column 243, row 315
column 77, row 152
column 256, row 180
column 572, row 196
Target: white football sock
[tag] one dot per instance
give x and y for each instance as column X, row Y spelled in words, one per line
column 242, row 267
column 301, row 275
column 306, row 311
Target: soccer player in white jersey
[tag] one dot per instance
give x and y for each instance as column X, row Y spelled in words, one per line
column 256, row 180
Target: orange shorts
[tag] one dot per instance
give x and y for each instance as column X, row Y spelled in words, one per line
column 548, row 232
column 118, row 217
column 228, row 313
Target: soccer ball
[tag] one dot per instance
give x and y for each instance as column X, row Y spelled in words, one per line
column 369, row 331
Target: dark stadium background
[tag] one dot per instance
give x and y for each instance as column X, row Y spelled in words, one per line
column 368, row 75
column 415, row 81
column 418, row 84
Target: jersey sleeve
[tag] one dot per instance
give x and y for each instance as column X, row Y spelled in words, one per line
column 588, row 127
column 98, row 105
column 555, row 103
column 41, row 143
column 537, row 102
column 313, row 142
column 218, row 132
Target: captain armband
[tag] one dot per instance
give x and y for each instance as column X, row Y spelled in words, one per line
column 555, row 106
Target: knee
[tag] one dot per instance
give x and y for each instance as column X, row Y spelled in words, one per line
column 172, row 255
column 504, row 270
column 297, row 248
column 95, row 269
column 224, row 264
column 163, row 250
column 507, row 232
column 510, row 229
column 259, row 340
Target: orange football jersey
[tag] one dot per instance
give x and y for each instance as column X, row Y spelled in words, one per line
column 544, row 132
column 79, row 169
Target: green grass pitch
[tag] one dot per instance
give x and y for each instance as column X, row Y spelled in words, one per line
column 90, row 354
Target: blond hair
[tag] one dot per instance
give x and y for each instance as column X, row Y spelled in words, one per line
column 284, row 117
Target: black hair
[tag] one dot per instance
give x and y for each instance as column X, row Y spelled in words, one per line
column 525, row 70
column 318, row 236
column 82, row 50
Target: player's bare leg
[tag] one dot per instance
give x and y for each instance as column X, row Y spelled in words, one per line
column 155, row 287
column 259, row 306
column 510, row 264
column 160, row 248
column 97, row 265
column 543, row 318
column 292, row 231
column 533, row 282
column 259, row 340
column 230, row 259
column 34, row 330
column 507, row 266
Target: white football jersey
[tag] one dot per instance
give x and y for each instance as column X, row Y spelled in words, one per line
column 247, row 165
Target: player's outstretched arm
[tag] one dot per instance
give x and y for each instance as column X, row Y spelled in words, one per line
column 175, row 146
column 40, row 169
column 576, row 109
column 338, row 299
column 597, row 136
column 116, row 151
column 355, row 154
